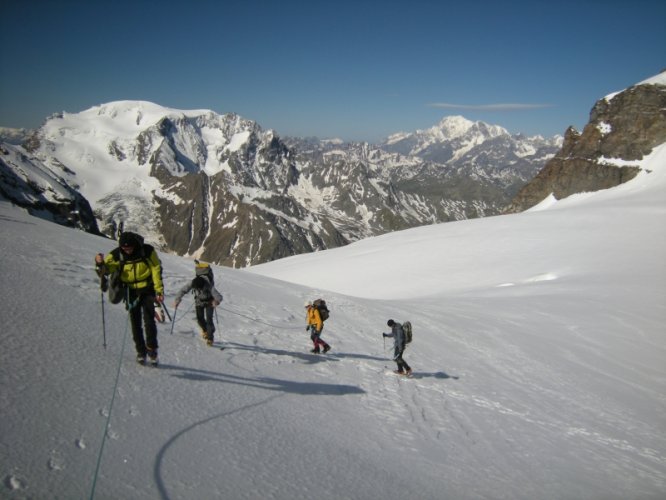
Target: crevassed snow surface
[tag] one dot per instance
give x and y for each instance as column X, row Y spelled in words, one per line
column 539, row 356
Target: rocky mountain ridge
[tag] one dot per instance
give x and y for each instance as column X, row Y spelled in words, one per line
column 26, row 182
column 623, row 128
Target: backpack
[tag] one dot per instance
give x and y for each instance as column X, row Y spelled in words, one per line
column 117, row 290
column 320, row 305
column 202, row 293
column 204, row 269
column 407, row 328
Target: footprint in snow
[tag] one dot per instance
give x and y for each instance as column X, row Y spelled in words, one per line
column 13, row 483
column 56, row 462
column 113, row 434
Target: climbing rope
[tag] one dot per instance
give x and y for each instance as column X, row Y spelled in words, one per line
column 108, row 417
column 120, row 358
column 256, row 320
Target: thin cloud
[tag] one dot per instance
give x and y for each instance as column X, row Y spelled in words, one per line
column 489, row 107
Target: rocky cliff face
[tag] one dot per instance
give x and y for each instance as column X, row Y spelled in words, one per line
column 26, row 182
column 623, row 128
column 230, row 204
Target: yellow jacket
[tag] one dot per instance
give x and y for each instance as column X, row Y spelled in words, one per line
column 313, row 318
column 138, row 272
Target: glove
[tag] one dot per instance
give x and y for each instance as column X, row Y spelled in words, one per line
column 159, row 298
column 384, row 335
column 215, row 303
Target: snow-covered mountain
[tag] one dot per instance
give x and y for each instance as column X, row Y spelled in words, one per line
column 194, row 182
column 477, row 149
column 538, row 355
column 450, row 138
column 221, row 188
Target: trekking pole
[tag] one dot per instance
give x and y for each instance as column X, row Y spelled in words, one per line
column 103, row 287
column 173, row 321
column 101, row 294
column 166, row 311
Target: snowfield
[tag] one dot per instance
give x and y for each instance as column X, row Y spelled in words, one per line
column 539, row 357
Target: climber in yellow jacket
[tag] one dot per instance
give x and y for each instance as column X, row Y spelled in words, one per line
column 141, row 273
column 315, row 324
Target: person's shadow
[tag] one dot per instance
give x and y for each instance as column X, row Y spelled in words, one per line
column 438, row 375
column 306, row 356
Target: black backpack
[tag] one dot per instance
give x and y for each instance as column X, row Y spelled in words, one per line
column 407, row 329
column 111, row 284
column 202, row 288
column 117, row 289
column 320, row 305
column 204, row 269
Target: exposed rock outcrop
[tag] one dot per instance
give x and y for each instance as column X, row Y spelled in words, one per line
column 623, row 128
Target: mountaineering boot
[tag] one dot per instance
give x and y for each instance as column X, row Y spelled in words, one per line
column 152, row 356
column 141, row 359
column 327, row 348
column 315, row 350
column 398, row 372
column 209, row 342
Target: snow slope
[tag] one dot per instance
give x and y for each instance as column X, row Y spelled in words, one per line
column 539, row 359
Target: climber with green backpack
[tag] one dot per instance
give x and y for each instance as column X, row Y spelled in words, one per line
column 206, row 298
column 402, row 335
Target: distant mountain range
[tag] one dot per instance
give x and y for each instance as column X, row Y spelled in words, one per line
column 223, row 189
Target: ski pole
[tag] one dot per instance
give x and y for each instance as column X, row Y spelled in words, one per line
column 173, row 321
column 101, row 294
column 166, row 311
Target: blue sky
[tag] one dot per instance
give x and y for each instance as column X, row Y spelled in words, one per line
column 358, row 70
